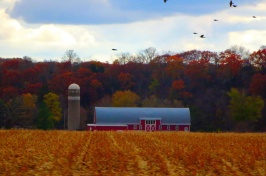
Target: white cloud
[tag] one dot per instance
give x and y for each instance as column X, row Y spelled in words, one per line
column 251, row 39
column 48, row 34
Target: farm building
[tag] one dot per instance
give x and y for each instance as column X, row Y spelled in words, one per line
column 142, row 119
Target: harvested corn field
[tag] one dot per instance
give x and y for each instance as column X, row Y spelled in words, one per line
column 30, row 152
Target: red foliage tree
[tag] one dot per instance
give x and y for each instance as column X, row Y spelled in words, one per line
column 258, row 58
column 178, row 85
column 258, row 84
column 59, row 83
column 230, row 62
column 32, row 88
column 198, row 72
column 8, row 92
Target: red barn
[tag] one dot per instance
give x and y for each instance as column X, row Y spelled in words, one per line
column 143, row 119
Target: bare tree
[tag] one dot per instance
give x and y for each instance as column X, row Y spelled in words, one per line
column 240, row 50
column 71, row 56
column 147, row 55
column 124, row 58
column 263, row 47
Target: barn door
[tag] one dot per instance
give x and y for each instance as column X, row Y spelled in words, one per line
column 150, row 125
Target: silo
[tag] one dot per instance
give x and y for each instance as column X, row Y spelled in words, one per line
column 73, row 107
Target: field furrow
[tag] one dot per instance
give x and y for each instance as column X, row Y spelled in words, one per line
column 35, row 152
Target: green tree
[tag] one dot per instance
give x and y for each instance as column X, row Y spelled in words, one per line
column 45, row 118
column 125, row 99
column 52, row 102
column 245, row 108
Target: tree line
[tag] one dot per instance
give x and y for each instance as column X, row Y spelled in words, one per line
column 225, row 91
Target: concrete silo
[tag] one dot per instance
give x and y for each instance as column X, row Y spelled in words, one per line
column 73, row 107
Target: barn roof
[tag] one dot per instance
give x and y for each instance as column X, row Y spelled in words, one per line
column 132, row 115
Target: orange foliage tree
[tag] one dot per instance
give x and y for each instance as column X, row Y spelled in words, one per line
column 125, row 99
column 126, row 82
column 174, row 66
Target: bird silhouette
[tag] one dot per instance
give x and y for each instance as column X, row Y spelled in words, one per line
column 254, row 16
column 195, row 33
column 202, row 36
column 231, row 3
column 234, row 5
column 114, row 49
column 165, row 1
column 215, row 20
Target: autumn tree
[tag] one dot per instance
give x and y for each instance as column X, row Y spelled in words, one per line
column 258, row 59
column 94, row 66
column 258, row 84
column 10, row 111
column 28, row 111
column 126, row 81
column 125, row 99
column 64, row 66
column 153, row 101
column 174, row 66
column 106, row 101
column 231, row 62
column 52, row 102
column 91, row 86
column 176, row 88
column 59, row 83
column 198, row 72
column 178, row 92
column 2, row 113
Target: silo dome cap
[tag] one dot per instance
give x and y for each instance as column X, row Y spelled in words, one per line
column 74, row 86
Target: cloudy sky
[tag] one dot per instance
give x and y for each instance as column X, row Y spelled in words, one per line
column 45, row 29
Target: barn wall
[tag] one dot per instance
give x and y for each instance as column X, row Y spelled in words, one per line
column 137, row 127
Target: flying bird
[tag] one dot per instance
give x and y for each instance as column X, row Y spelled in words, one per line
column 215, row 20
column 202, row 36
column 234, row 5
column 114, row 49
column 254, row 16
column 231, row 3
column 195, row 33
column 165, row 1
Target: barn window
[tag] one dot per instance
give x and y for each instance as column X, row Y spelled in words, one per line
column 186, row 128
column 150, row 121
column 176, row 127
column 140, row 127
column 168, row 127
column 135, row 127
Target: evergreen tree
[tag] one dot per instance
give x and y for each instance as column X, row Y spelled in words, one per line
column 45, row 119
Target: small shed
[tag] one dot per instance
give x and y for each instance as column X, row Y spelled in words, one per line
column 143, row 119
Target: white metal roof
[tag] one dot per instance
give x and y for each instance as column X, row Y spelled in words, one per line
column 132, row 115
